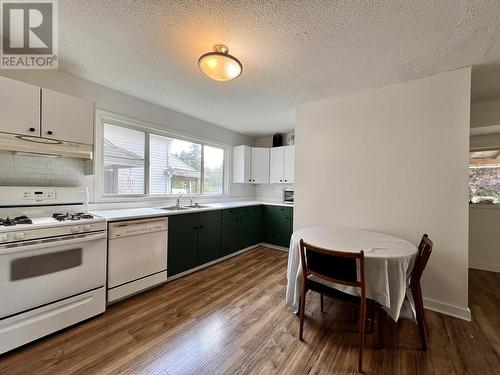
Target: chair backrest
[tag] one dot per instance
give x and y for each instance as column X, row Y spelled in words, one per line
column 340, row 267
column 423, row 255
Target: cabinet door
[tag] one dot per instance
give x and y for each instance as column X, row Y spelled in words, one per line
column 19, row 107
column 276, row 165
column 283, row 226
column 269, row 224
column 242, row 164
column 209, row 236
column 67, row 118
column 182, row 243
column 260, row 165
column 253, row 226
column 288, row 163
column 230, row 235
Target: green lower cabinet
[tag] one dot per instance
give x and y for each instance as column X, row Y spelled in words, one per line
column 278, row 225
column 209, row 236
column 284, row 226
column 253, row 226
column 182, row 243
column 231, row 237
column 198, row 238
column 268, row 224
column 241, row 228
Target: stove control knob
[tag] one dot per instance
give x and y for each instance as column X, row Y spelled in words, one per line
column 19, row 236
column 75, row 229
column 4, row 237
column 86, row 228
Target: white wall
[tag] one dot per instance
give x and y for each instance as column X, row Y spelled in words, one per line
column 484, row 237
column 122, row 104
column 394, row 160
column 485, row 113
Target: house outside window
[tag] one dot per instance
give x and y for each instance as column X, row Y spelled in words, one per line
column 138, row 161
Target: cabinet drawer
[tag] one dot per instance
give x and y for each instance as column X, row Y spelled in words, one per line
column 233, row 212
column 209, row 216
column 183, row 220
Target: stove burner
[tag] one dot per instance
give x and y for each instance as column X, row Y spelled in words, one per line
column 17, row 220
column 72, row 217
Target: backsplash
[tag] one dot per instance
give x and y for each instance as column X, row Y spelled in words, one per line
column 271, row 192
column 30, row 170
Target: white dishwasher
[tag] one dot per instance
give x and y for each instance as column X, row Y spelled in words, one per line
column 137, row 256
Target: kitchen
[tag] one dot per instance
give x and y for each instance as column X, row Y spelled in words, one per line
column 150, row 214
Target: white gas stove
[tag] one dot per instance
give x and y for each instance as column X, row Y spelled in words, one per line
column 52, row 262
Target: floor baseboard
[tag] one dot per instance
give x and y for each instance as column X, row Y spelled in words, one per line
column 447, row 309
column 485, row 266
column 281, row 248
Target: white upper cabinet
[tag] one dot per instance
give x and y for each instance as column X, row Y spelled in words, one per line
column 67, row 118
column 282, row 164
column 242, row 164
column 260, row 165
column 276, row 165
column 288, row 164
column 250, row 165
column 19, row 107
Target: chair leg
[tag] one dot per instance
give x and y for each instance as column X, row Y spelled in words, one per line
column 302, row 312
column 321, row 301
column 362, row 322
column 419, row 307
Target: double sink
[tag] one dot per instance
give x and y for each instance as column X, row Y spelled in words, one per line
column 180, row 208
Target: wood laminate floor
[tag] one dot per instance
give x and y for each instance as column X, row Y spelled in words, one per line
column 231, row 318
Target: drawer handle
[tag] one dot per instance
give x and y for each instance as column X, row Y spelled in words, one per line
column 195, row 228
column 50, row 132
column 201, row 226
column 32, row 129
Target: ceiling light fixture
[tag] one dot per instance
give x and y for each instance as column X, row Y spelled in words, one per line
column 219, row 64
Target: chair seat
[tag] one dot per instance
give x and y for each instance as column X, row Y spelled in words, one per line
column 327, row 288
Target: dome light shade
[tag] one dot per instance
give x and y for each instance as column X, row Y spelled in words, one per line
column 219, row 64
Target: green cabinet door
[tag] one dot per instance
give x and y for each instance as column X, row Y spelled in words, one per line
column 209, row 236
column 283, row 226
column 253, row 226
column 182, row 243
column 229, row 240
column 268, row 224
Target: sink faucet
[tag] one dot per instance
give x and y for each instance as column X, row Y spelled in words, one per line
column 179, row 200
column 192, row 201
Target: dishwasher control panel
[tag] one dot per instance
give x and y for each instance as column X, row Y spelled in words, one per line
column 137, row 227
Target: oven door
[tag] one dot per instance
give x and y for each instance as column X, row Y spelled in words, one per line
column 34, row 273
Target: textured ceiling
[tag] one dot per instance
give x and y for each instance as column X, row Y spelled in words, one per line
column 292, row 51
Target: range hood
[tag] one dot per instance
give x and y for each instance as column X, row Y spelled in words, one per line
column 44, row 146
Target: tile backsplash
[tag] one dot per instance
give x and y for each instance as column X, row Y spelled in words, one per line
column 28, row 170
column 271, row 192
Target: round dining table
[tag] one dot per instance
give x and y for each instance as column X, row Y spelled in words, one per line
column 388, row 264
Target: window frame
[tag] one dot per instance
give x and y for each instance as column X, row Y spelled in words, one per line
column 103, row 117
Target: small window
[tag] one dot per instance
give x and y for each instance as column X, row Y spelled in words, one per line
column 484, row 176
column 175, row 166
column 123, row 160
column 213, row 170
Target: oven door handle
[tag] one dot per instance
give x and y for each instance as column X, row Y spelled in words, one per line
column 49, row 242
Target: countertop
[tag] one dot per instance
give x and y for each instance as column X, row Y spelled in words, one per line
column 147, row 212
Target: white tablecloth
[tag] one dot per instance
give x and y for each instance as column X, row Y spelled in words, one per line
column 388, row 264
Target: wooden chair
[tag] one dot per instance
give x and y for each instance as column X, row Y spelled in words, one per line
column 423, row 255
column 339, row 267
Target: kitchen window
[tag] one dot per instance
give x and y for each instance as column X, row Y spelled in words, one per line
column 123, row 160
column 136, row 160
column 484, row 176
